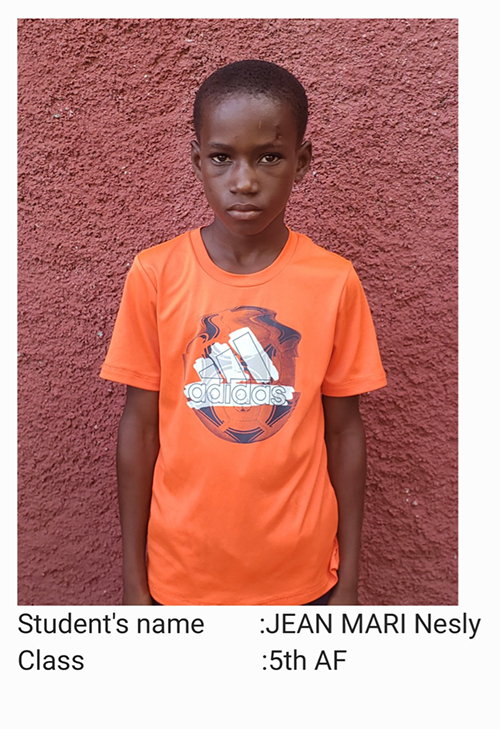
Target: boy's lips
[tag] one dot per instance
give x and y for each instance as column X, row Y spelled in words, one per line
column 244, row 211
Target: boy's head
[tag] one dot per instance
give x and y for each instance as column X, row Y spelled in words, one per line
column 253, row 78
column 250, row 118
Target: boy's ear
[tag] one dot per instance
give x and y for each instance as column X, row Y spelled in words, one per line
column 304, row 158
column 196, row 159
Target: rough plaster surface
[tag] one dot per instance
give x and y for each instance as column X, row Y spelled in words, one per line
column 104, row 171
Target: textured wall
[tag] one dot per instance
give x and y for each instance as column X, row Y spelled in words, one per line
column 104, row 171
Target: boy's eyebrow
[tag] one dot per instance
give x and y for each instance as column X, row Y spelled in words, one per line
column 260, row 147
column 219, row 145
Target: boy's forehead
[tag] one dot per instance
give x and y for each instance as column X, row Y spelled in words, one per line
column 259, row 111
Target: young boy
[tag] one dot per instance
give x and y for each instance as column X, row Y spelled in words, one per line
column 244, row 347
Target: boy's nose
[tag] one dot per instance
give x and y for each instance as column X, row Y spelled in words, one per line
column 244, row 179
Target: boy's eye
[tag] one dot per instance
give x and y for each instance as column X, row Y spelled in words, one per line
column 220, row 158
column 270, row 158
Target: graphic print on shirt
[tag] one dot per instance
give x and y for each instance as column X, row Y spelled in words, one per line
column 240, row 373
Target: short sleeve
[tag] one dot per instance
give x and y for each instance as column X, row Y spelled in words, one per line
column 355, row 365
column 133, row 356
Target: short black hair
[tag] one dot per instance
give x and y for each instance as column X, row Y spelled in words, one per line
column 257, row 78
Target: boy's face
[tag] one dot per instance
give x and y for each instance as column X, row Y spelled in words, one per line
column 248, row 159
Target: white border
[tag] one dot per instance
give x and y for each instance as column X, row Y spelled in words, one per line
column 217, row 679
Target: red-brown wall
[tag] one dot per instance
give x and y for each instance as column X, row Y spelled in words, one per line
column 104, row 171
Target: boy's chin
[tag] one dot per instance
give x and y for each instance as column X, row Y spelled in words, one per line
column 248, row 225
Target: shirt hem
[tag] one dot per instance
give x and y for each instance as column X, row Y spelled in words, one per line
column 296, row 598
column 126, row 377
column 355, row 387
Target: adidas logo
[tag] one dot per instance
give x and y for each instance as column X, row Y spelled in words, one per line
column 238, row 373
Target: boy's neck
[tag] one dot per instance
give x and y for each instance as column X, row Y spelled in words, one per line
column 244, row 254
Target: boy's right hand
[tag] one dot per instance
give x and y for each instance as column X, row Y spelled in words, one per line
column 136, row 457
column 136, row 596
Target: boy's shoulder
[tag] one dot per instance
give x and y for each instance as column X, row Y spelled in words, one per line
column 321, row 257
column 158, row 254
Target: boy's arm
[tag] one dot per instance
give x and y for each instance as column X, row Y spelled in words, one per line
column 135, row 460
column 345, row 443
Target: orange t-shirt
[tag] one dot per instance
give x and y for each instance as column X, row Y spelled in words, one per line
column 242, row 509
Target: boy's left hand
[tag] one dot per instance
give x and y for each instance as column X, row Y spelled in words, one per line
column 343, row 596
